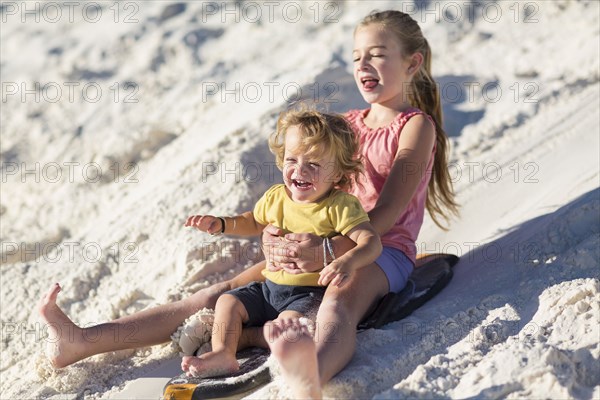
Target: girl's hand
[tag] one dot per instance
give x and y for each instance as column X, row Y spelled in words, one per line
column 270, row 240
column 305, row 250
column 295, row 252
column 205, row 223
column 337, row 273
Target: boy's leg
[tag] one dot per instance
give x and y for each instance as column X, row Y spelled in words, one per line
column 69, row 343
column 252, row 337
column 230, row 314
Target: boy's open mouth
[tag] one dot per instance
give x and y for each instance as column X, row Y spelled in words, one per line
column 302, row 185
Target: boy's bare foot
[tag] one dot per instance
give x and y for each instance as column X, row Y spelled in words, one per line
column 210, row 364
column 63, row 344
column 293, row 347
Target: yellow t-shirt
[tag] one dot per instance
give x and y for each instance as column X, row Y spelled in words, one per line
column 338, row 213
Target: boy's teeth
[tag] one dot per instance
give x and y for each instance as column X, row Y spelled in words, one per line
column 301, row 183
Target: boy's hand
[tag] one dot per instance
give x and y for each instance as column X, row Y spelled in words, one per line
column 205, row 223
column 337, row 273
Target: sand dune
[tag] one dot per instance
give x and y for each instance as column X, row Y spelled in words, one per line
column 120, row 120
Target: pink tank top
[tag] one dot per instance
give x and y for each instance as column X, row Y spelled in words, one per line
column 379, row 147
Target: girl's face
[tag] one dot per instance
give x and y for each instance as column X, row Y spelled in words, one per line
column 307, row 178
column 382, row 73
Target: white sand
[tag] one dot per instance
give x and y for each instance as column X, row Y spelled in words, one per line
column 521, row 317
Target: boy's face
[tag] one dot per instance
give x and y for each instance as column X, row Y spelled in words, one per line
column 308, row 178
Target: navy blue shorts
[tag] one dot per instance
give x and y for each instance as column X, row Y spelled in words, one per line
column 265, row 301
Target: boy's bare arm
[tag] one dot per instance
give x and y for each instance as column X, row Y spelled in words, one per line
column 241, row 225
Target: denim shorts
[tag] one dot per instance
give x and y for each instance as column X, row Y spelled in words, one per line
column 396, row 266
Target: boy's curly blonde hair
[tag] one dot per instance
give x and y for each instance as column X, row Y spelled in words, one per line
column 322, row 134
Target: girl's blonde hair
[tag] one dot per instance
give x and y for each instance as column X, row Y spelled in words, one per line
column 423, row 94
column 321, row 134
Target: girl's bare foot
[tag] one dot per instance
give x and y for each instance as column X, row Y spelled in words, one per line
column 293, row 347
column 215, row 363
column 64, row 342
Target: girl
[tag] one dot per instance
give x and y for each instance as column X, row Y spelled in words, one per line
column 317, row 154
column 392, row 71
column 404, row 149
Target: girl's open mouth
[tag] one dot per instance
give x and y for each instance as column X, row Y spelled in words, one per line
column 369, row 83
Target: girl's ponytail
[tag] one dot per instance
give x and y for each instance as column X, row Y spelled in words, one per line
column 424, row 95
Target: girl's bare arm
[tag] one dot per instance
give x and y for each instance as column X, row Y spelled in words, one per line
column 410, row 165
column 368, row 248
